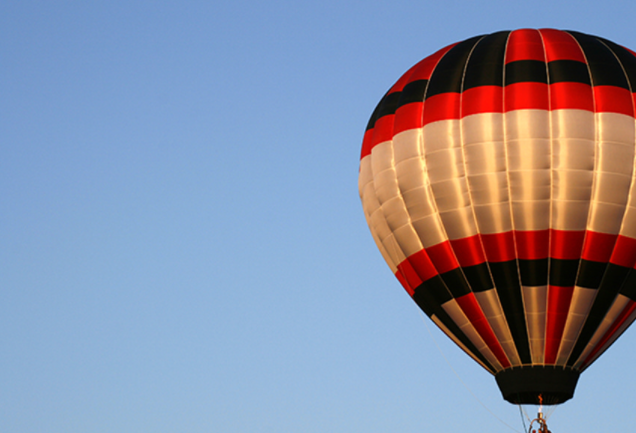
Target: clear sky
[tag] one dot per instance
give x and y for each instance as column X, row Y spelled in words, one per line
column 182, row 246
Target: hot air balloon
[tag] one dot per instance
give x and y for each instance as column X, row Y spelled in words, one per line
column 497, row 178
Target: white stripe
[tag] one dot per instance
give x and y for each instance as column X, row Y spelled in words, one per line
column 491, row 307
column 535, row 300
column 613, row 171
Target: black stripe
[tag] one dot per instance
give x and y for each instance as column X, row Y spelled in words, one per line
column 610, row 285
column 629, row 286
column 386, row 106
column 374, row 115
column 568, row 71
column 533, row 272
column 524, row 71
column 447, row 75
column 478, row 276
column 485, row 65
column 430, row 296
column 413, row 92
column 456, row 282
column 604, row 67
column 389, row 104
column 507, row 285
column 590, row 274
column 563, row 272
column 627, row 60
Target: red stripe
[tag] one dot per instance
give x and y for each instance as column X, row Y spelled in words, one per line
column 469, row 305
column 624, row 253
column 532, row 245
column 522, row 96
column 383, row 130
column 483, row 99
column 566, row 245
column 407, row 117
column 366, row 143
column 499, row 247
column 598, row 246
column 408, row 277
column 610, row 99
column 404, row 79
column 620, row 321
column 559, row 299
column 468, row 251
column 442, row 257
column 402, row 279
column 524, row 44
column 560, row 45
column 571, row 95
column 441, row 107
column 421, row 265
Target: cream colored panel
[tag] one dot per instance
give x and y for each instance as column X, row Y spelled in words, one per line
column 459, row 223
column 366, row 175
column 410, row 174
column 574, row 154
column 393, row 249
column 569, row 215
column 444, row 134
column 615, row 127
column 395, row 213
column 529, row 154
column 535, row 301
column 490, row 305
column 430, row 230
column 418, row 202
column 572, row 124
column 605, row 217
column 408, row 240
column 386, row 187
column 572, row 185
column 382, row 157
column 530, row 185
column 482, row 127
column 495, row 218
column 445, row 164
column 531, row 215
column 407, row 145
column 488, row 188
column 527, row 124
column 582, row 300
column 484, row 158
column 450, row 194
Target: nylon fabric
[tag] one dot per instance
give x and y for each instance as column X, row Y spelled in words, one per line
column 497, row 179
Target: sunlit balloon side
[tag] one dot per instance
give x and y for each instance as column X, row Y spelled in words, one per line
column 497, row 178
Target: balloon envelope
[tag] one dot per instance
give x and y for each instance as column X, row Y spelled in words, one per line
column 497, row 178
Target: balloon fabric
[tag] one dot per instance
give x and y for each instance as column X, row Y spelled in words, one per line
column 497, row 178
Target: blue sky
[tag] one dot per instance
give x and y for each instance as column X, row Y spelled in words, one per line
column 181, row 238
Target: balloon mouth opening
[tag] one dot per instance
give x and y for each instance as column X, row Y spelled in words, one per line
column 545, row 385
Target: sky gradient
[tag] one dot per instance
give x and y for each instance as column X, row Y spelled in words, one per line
column 182, row 243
